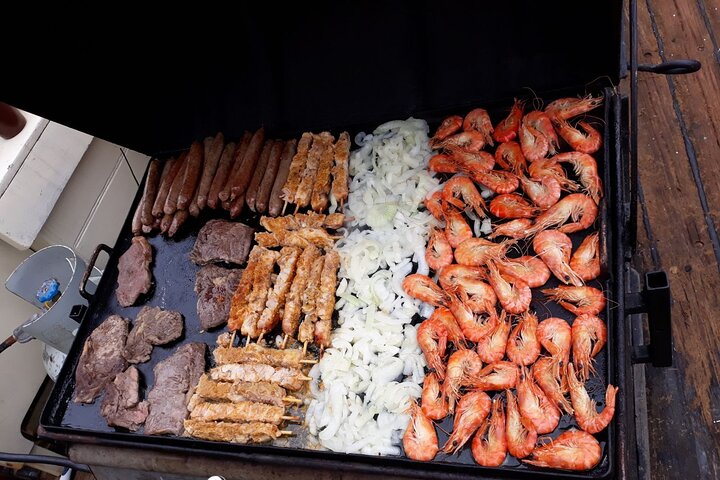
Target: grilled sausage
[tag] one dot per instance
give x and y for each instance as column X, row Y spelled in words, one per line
column 166, row 222
column 251, row 193
column 136, row 222
column 221, row 174
column 152, row 182
column 177, row 184
column 235, row 164
column 276, row 202
column 192, row 176
column 213, row 151
column 193, row 208
column 178, row 219
column 243, row 174
column 265, row 189
column 236, row 205
column 169, row 172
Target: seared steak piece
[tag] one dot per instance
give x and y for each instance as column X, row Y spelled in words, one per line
column 175, row 380
column 101, row 358
column 153, row 326
column 215, row 287
column 121, row 405
column 134, row 277
column 222, row 241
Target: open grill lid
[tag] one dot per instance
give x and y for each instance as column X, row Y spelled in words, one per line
column 295, row 66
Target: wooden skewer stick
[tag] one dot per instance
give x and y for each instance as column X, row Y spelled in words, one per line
column 232, row 339
column 259, row 339
column 247, row 342
column 290, row 418
column 297, row 207
column 284, row 207
column 286, row 432
column 305, row 348
column 309, row 362
column 305, row 378
column 292, row 400
column 284, row 342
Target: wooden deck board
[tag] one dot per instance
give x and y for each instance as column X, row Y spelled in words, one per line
column 678, row 152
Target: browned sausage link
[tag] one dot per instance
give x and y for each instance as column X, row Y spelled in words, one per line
column 297, row 167
column 276, row 201
column 169, row 172
column 251, row 193
column 235, row 165
column 137, row 226
column 193, row 208
column 263, row 193
column 192, row 175
column 179, row 218
column 339, row 189
column 166, row 222
column 321, row 186
column 212, row 158
column 148, row 229
column 227, row 204
column 152, row 181
column 221, row 174
column 243, row 174
column 236, row 206
column 172, row 196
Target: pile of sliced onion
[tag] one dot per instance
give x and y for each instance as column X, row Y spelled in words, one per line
column 364, row 382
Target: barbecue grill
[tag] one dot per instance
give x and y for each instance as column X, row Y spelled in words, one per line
column 336, row 66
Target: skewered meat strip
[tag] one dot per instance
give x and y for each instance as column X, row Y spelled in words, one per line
column 261, row 392
column 258, row 296
column 276, row 201
column 321, row 184
column 297, row 167
column 304, row 190
column 302, row 220
column 239, row 412
column 289, row 378
column 240, row 297
column 255, row 353
column 295, row 238
column 293, row 300
column 307, row 327
column 276, row 297
column 253, row 432
column 325, row 302
column 339, row 189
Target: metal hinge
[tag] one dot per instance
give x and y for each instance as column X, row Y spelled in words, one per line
column 654, row 300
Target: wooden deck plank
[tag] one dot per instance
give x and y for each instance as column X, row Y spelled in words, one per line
column 710, row 14
column 682, row 401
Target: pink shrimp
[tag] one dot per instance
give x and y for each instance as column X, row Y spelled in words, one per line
column 535, row 406
column 442, row 163
column 481, row 296
column 496, row 376
column 479, row 120
column 554, row 249
column 512, row 205
column 491, row 452
column 432, row 339
column 523, row 346
column 447, row 127
column 589, row 335
column 547, row 374
column 515, row 229
column 542, row 123
column 520, row 432
column 471, row 163
column 509, row 157
column 445, row 317
column 499, row 181
column 491, row 347
column 471, row 141
column 476, row 252
column 461, row 186
column 565, row 108
column 571, row 450
column 580, row 208
column 422, row 287
column 577, row 300
column 555, row 335
column 434, row 205
column 439, row 252
column 473, row 327
column 547, row 167
column 587, row 141
column 585, row 408
column 514, row 294
column 457, row 229
column 544, row 192
column 507, row 129
column 462, row 367
column 531, row 270
column 585, row 168
column 533, row 143
column 420, row 440
column 434, row 404
column 585, row 261
column 472, row 410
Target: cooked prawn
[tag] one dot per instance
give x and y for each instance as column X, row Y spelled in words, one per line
column 515, row 229
column 434, row 205
column 457, row 229
column 571, row 450
column 459, row 187
column 544, row 192
column 587, row 141
column 481, row 296
column 535, row 406
column 447, row 127
column 554, row 248
column 420, row 440
column 578, row 300
column 542, row 123
column 585, row 168
column 585, row 261
column 438, row 253
column 523, row 346
column 507, row 129
column 499, row 181
column 479, row 120
column 531, row 270
column 442, row 163
column 462, row 367
column 555, row 335
column 472, row 410
column 509, row 156
column 445, row 317
column 476, row 252
column 520, row 432
column 512, row 205
column 469, row 162
column 580, row 208
column 565, row 108
column 491, row 347
column 589, row 335
column 533, row 143
column 496, row 376
column 434, row 404
column 546, row 167
column 471, row 141
column 432, row 339
column 547, row 374
column 422, row 287
column 514, row 294
column 491, row 452
column 473, row 327
column 585, row 408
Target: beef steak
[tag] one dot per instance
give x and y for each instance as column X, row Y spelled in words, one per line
column 215, row 287
column 222, row 241
column 121, row 405
column 134, row 275
column 153, row 326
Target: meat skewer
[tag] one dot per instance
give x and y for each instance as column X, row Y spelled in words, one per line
column 251, row 432
column 242, row 292
column 339, row 190
column 151, row 189
column 261, row 392
column 260, row 287
column 242, row 174
column 293, row 301
column 276, row 297
column 241, row 412
column 321, row 185
column 254, row 353
column 192, row 176
column 297, row 166
column 170, row 170
column 276, row 202
column 221, row 174
column 306, row 331
column 304, row 189
column 177, row 184
column 303, row 220
column 325, row 301
column 266, row 185
column 257, row 176
column 288, row 378
column 235, row 165
column 213, row 152
column 295, row 238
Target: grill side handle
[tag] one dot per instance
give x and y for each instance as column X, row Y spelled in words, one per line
column 89, row 269
column 653, row 299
